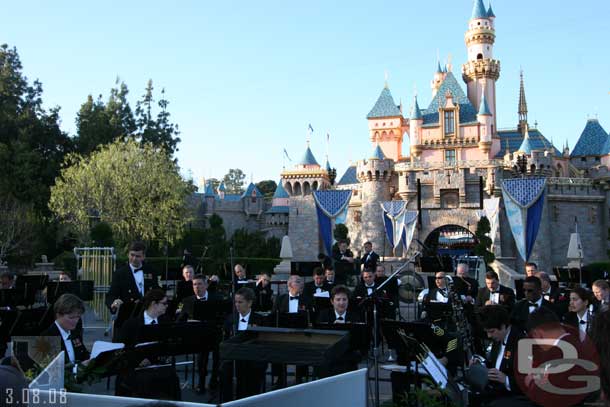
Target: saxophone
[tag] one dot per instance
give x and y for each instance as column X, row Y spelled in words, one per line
column 475, row 369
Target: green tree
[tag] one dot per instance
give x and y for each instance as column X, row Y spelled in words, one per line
column 234, row 181
column 484, row 241
column 32, row 146
column 101, row 235
column 159, row 131
column 267, row 188
column 135, row 188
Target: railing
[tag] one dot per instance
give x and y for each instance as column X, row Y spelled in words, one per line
column 419, row 165
column 570, row 181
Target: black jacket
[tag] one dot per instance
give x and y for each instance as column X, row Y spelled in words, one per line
column 466, row 286
column 369, row 261
column 230, row 322
column 80, row 351
column 310, row 289
column 328, row 316
column 507, row 364
column 264, row 298
column 507, row 296
column 281, row 303
column 123, row 285
column 188, row 305
column 520, row 312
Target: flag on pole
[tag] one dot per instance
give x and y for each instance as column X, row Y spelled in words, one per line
column 287, row 156
column 327, row 137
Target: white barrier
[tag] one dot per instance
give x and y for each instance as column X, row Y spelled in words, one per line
column 348, row 389
column 52, row 377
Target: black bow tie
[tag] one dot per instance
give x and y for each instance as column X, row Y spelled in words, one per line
column 243, row 320
column 294, row 298
column 136, row 270
column 153, row 322
column 583, row 322
column 341, row 318
column 533, row 304
column 70, row 337
column 495, row 292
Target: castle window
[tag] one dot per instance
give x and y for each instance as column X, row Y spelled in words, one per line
column 449, row 156
column 596, row 158
column 450, row 199
column 449, row 122
column 583, row 159
column 479, row 56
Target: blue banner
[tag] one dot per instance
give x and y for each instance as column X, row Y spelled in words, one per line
column 524, row 202
column 331, row 208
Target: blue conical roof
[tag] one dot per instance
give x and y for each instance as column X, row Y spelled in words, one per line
column 280, row 192
column 327, row 165
column 478, row 10
column 592, row 141
column 438, row 67
column 378, row 154
column 252, row 190
column 490, row 12
column 308, row 158
column 526, row 146
column 384, row 107
column 416, row 112
column 221, row 187
column 209, row 190
column 484, row 108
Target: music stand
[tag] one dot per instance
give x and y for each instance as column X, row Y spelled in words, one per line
column 212, row 312
column 295, row 320
column 184, row 289
column 28, row 285
column 83, row 289
column 9, row 298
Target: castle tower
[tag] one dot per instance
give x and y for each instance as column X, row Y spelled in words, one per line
column 415, row 129
column 485, row 120
column 481, row 71
column 307, row 176
column 375, row 175
column 386, row 125
column 437, row 80
column 522, row 107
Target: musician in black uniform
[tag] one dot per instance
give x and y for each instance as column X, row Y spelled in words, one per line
column 157, row 383
column 325, row 261
column 439, row 293
column 467, row 287
column 369, row 259
column 187, row 311
column 344, row 262
column 250, row 375
column 579, row 315
column 502, row 389
column 329, row 277
column 494, row 293
column 68, row 311
column 264, row 293
column 130, row 283
column 240, row 279
column 367, row 286
column 317, row 286
column 532, row 288
column 601, row 291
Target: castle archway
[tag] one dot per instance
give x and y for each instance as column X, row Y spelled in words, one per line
column 450, row 240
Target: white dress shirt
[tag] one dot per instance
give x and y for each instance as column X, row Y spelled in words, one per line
column 369, row 289
column 340, row 321
column 494, row 297
column 440, row 297
column 148, row 319
column 139, row 278
column 205, row 297
column 532, row 308
column 582, row 328
column 242, row 326
column 67, row 342
column 293, row 305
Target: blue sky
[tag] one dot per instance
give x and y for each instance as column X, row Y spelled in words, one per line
column 244, row 79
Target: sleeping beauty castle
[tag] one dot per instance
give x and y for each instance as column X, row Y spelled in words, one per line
column 460, row 166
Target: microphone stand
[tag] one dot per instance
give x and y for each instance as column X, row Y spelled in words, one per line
column 375, row 298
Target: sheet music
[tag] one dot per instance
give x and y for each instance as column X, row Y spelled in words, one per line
column 103, row 346
column 433, row 367
column 323, row 294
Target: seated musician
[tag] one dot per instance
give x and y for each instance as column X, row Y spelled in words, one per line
column 465, row 286
column 494, row 293
column 439, row 293
column 68, row 311
column 187, row 311
column 296, row 304
column 601, row 291
column 160, row 382
column 367, row 286
column 532, row 288
column 317, row 286
column 264, row 293
column 240, row 278
column 502, row 389
column 250, row 375
column 7, row 280
column 579, row 315
column 329, row 274
column 64, row 277
column 339, row 314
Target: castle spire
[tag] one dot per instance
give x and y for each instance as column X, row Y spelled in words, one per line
column 522, row 106
column 478, row 10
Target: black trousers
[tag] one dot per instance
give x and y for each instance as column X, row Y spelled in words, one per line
column 250, row 378
column 202, row 362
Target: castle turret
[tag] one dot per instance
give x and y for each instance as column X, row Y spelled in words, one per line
column 439, row 77
column 386, row 125
column 209, row 198
column 375, row 175
column 485, row 120
column 307, row 176
column 221, row 190
column 481, row 71
column 415, row 129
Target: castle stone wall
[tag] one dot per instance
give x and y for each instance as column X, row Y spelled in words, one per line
column 303, row 229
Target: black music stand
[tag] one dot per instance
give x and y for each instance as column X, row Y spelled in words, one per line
column 83, row 289
column 28, row 285
column 212, row 312
column 183, row 289
column 126, row 311
column 9, row 298
column 295, row 320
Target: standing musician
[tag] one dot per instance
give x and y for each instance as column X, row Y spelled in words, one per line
column 344, row 262
column 369, row 258
column 264, row 293
column 250, row 375
column 579, row 315
column 160, row 382
column 530, row 269
column 532, row 288
column 68, row 311
column 130, row 283
column 502, row 389
column 494, row 292
column 188, row 307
